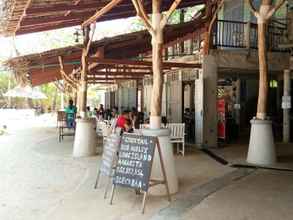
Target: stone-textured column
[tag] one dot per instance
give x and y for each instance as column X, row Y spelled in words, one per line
column 210, row 119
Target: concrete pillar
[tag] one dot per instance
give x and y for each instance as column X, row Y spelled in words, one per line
column 210, row 119
column 168, row 160
column 286, row 102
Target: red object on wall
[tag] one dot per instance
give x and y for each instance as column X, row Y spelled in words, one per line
column 221, row 118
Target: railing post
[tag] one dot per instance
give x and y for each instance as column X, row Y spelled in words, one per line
column 247, row 35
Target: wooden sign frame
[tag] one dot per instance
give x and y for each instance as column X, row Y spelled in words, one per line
column 152, row 182
column 111, row 172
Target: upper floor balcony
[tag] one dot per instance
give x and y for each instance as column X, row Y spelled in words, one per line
column 237, row 34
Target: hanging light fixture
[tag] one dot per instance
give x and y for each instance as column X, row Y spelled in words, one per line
column 77, row 34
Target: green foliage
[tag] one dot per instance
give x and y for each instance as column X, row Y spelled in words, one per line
column 6, row 81
column 94, row 98
column 53, row 101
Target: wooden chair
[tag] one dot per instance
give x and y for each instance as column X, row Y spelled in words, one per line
column 177, row 135
column 62, row 125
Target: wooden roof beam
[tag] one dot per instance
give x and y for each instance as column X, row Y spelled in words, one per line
column 76, row 2
column 63, row 24
column 147, row 5
column 92, row 6
column 78, row 17
column 102, row 82
column 113, row 78
column 142, row 63
column 45, row 28
column 101, row 12
column 120, row 73
column 120, row 68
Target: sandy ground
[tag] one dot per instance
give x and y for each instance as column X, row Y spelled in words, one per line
column 41, row 180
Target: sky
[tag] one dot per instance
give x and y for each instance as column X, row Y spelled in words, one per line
column 42, row 41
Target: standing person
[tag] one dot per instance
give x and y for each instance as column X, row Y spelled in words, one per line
column 114, row 113
column 70, row 111
column 134, row 118
column 114, row 116
column 101, row 112
column 88, row 112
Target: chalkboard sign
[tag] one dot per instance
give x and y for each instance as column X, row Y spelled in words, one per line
column 134, row 163
column 110, row 150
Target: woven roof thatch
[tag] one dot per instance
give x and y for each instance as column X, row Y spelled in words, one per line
column 44, row 67
column 30, row 16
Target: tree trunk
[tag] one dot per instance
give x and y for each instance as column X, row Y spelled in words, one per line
column 84, row 72
column 263, row 71
column 157, row 58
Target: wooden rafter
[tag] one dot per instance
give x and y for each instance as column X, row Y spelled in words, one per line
column 142, row 63
column 101, row 12
column 169, row 12
column 114, row 78
column 65, row 77
column 121, row 73
column 141, row 12
column 102, row 82
column 37, row 11
column 75, row 3
column 61, row 7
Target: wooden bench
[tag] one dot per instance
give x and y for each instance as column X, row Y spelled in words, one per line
column 177, row 134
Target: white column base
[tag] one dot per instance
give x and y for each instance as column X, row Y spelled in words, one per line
column 85, row 138
column 261, row 144
column 155, row 122
column 169, row 162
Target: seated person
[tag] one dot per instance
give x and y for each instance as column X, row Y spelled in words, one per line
column 123, row 121
column 70, row 111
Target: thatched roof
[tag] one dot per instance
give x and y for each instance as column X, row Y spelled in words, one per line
column 44, row 67
column 29, row 16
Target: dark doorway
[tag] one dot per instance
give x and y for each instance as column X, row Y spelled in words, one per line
column 188, row 110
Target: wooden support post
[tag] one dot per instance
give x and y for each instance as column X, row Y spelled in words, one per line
column 286, row 109
column 84, row 73
column 155, row 27
column 263, row 70
column 266, row 11
column 157, row 46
